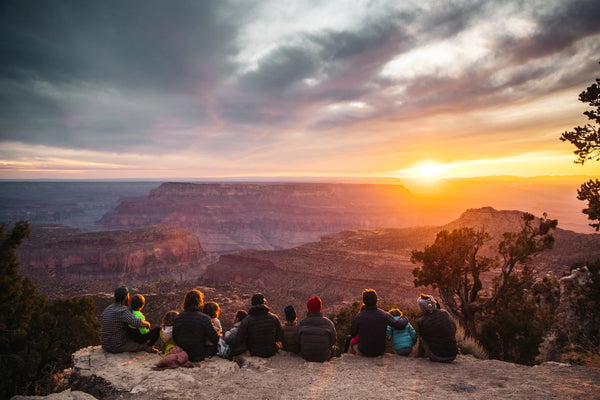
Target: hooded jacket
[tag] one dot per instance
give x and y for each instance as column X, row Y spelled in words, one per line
column 438, row 331
column 260, row 331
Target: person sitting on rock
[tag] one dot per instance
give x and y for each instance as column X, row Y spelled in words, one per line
column 115, row 320
column 231, row 335
column 192, row 328
column 166, row 332
column 403, row 340
column 261, row 330
column 437, row 331
column 371, row 324
column 316, row 333
column 143, row 334
column 289, row 327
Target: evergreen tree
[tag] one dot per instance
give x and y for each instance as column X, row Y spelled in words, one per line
column 36, row 338
column 586, row 139
column 453, row 265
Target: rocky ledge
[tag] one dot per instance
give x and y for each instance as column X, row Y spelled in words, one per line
column 286, row 376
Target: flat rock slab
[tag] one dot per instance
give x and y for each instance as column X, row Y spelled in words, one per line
column 287, row 376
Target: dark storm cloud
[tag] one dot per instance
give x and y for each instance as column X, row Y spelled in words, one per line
column 142, row 50
column 156, row 77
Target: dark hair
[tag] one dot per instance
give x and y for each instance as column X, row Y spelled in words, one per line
column 290, row 313
column 137, row 302
column 257, row 299
column 240, row 315
column 369, row 297
column 212, row 309
column 121, row 294
column 169, row 318
column 395, row 312
column 194, row 299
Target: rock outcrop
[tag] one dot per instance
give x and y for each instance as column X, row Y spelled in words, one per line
column 287, row 376
column 231, row 217
column 66, row 255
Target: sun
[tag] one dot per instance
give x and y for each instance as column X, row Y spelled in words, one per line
column 431, row 170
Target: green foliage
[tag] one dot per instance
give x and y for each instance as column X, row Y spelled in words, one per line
column 586, row 140
column 453, row 266
column 590, row 191
column 342, row 321
column 515, row 328
column 36, row 338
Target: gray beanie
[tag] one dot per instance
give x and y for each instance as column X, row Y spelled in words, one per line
column 427, row 303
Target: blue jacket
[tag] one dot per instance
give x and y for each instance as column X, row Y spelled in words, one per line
column 402, row 338
column 371, row 326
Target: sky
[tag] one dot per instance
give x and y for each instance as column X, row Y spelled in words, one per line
column 200, row 89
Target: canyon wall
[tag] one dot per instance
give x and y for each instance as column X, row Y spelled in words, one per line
column 58, row 255
column 231, row 217
column 341, row 265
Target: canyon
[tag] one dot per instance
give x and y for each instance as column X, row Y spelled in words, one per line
column 58, row 256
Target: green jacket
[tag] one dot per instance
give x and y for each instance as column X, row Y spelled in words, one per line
column 138, row 314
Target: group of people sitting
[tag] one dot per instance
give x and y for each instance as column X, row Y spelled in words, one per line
column 196, row 332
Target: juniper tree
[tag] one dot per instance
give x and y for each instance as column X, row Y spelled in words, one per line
column 454, row 265
column 586, row 139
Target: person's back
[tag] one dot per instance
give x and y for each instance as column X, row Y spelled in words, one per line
column 115, row 320
column 437, row 331
column 260, row 330
column 290, row 326
column 192, row 328
column 316, row 334
column 231, row 335
column 371, row 323
column 403, row 340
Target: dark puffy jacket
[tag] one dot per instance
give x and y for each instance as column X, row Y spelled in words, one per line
column 190, row 330
column 371, row 324
column 438, row 330
column 261, row 331
column 317, row 336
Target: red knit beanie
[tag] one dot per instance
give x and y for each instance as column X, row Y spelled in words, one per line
column 314, row 304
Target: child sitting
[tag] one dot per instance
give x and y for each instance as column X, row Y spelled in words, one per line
column 231, row 334
column 290, row 342
column 141, row 335
column 166, row 332
column 213, row 310
column 403, row 340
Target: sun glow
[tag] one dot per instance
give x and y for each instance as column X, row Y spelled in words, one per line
column 431, row 170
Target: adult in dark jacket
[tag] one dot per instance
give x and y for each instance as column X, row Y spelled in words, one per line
column 371, row 325
column 192, row 328
column 261, row 330
column 316, row 333
column 437, row 331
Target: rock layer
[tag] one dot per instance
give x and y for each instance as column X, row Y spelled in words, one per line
column 232, row 217
column 67, row 255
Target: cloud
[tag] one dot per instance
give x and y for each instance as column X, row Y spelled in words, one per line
column 247, row 78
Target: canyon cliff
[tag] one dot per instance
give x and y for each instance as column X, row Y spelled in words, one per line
column 341, row 265
column 231, row 217
column 59, row 256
